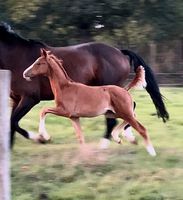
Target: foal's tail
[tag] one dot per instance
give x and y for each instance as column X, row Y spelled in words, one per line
column 139, row 79
column 152, row 86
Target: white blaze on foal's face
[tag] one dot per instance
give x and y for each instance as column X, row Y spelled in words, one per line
column 39, row 67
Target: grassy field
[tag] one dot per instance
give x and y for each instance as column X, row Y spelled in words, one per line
column 60, row 170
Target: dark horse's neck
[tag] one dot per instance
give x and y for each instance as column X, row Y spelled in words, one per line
column 10, row 56
column 13, row 46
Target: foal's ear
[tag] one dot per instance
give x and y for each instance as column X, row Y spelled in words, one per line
column 43, row 52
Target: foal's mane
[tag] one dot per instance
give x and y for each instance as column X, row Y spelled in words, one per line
column 59, row 62
column 8, row 35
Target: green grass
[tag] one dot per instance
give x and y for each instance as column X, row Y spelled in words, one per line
column 60, row 170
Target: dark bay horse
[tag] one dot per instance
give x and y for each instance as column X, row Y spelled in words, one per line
column 90, row 63
column 74, row 100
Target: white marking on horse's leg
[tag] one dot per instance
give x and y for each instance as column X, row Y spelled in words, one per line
column 42, row 130
column 104, row 143
column 33, row 136
column 151, row 150
column 128, row 134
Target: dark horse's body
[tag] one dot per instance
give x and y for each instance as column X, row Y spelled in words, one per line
column 90, row 63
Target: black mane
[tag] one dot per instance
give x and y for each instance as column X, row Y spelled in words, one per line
column 8, row 35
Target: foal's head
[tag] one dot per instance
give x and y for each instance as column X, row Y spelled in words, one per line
column 39, row 67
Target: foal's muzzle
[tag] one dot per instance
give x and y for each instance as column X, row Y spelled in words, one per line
column 27, row 76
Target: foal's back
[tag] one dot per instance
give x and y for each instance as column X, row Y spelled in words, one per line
column 90, row 101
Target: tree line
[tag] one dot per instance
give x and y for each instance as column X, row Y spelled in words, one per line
column 119, row 22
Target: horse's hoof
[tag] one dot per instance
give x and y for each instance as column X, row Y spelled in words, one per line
column 42, row 140
column 104, row 143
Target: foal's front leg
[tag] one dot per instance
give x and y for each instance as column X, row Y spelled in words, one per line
column 127, row 133
column 77, row 127
column 43, row 135
column 115, row 132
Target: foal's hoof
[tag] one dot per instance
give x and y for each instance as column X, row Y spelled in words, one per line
column 119, row 141
column 135, row 142
column 42, row 140
column 151, row 150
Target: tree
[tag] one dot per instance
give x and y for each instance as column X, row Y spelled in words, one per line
column 60, row 22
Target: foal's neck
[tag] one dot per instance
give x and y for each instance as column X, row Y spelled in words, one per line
column 58, row 79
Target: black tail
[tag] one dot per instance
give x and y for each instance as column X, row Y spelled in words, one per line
column 152, row 86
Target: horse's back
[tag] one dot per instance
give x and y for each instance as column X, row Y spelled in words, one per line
column 112, row 66
column 94, row 63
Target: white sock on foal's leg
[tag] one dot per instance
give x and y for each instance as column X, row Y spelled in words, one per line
column 151, row 150
column 42, row 130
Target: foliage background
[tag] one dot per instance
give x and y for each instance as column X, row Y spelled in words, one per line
column 61, row 22
column 152, row 28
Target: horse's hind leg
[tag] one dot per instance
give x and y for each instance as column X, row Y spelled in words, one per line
column 143, row 132
column 110, row 124
column 77, row 127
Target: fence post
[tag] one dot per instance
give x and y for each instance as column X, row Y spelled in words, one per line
column 4, row 135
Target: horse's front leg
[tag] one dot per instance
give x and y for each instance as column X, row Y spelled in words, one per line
column 19, row 110
column 77, row 127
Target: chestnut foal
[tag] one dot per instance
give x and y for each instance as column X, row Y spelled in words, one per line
column 74, row 100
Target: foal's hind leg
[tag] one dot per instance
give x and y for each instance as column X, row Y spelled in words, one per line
column 128, row 134
column 143, row 132
column 77, row 127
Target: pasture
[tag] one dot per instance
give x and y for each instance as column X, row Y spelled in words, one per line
column 61, row 171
